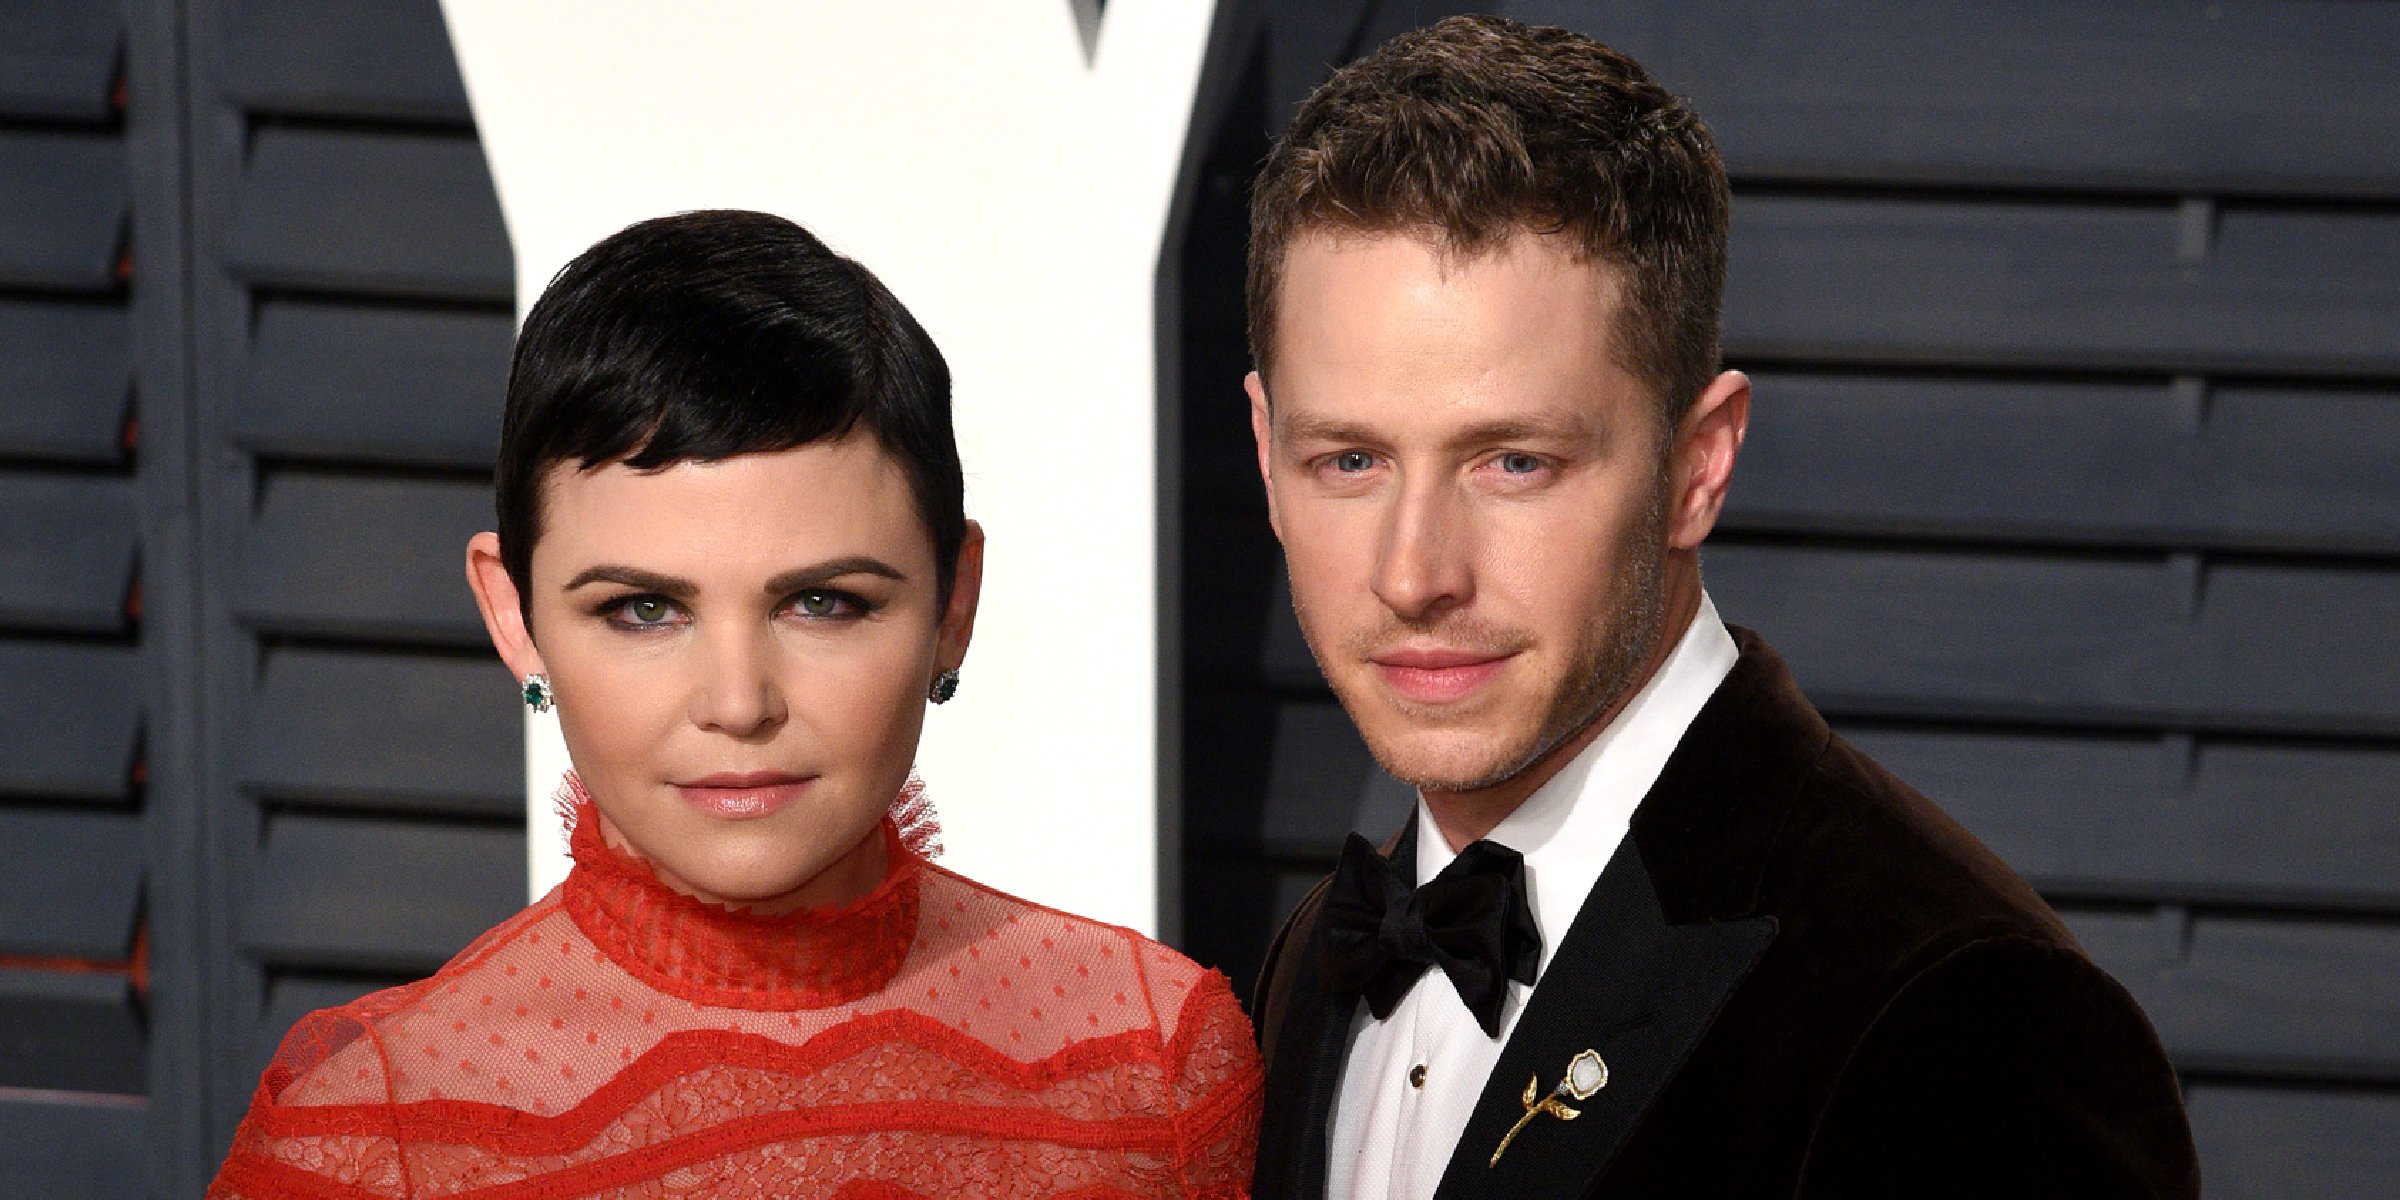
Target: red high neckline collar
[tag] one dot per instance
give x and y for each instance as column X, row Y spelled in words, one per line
column 709, row 954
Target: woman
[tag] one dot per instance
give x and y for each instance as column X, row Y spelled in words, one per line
column 732, row 553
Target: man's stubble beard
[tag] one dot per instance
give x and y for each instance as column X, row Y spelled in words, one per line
column 1599, row 677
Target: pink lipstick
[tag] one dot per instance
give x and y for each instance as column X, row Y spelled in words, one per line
column 736, row 796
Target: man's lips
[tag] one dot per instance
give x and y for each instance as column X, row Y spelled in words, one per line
column 1436, row 675
column 741, row 795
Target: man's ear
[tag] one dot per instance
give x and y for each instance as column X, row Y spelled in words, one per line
column 966, row 591
column 1707, row 441
column 1262, row 432
column 503, row 613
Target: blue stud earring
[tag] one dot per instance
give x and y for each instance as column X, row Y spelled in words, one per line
column 537, row 693
column 945, row 685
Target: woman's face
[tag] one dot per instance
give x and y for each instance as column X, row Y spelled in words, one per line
column 739, row 652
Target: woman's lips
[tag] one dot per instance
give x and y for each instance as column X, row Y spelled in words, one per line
column 741, row 797
column 1437, row 676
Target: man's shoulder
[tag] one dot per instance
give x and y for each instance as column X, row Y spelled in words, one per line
column 1864, row 852
column 1276, row 975
column 1764, row 810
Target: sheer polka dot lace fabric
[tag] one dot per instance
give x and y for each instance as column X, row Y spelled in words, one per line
column 934, row 1038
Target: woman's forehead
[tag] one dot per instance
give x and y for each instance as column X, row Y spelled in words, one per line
column 818, row 500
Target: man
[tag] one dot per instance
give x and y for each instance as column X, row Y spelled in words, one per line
column 1652, row 930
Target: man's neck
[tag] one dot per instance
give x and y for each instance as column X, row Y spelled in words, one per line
column 1466, row 817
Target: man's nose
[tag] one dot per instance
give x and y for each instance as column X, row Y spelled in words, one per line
column 1423, row 567
column 737, row 692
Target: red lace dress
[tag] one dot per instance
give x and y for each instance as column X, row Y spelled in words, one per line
column 933, row 1038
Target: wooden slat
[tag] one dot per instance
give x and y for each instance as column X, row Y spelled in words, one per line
column 66, row 381
column 1233, row 573
column 374, row 385
column 2259, row 996
column 1305, row 42
column 2164, row 819
column 1313, row 783
column 1227, row 925
column 365, row 558
column 386, row 731
column 2269, row 648
column 2270, row 1143
column 383, row 58
column 58, row 59
column 2239, row 468
column 384, row 214
column 69, row 1031
column 2221, row 97
column 80, row 894
column 66, row 551
column 74, row 1149
column 62, row 209
column 2057, row 285
column 1323, row 784
column 69, row 719
column 2084, row 816
column 370, row 894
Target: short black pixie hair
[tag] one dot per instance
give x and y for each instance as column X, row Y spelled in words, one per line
column 709, row 334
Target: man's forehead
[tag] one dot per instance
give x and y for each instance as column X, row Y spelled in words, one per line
column 1451, row 250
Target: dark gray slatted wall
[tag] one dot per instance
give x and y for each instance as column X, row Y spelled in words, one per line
column 75, row 947
column 2070, row 494
column 352, row 311
column 255, row 758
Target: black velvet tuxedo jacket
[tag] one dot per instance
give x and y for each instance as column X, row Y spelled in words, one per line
column 1806, row 981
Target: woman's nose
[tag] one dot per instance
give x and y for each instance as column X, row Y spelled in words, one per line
column 737, row 691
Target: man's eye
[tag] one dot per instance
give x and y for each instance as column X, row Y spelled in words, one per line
column 1519, row 464
column 1350, row 462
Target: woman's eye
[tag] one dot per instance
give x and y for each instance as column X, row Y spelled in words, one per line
column 1515, row 463
column 823, row 604
column 1351, row 462
column 646, row 611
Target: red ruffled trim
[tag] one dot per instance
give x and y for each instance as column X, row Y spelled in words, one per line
column 265, row 1178
column 516, row 1132
column 709, row 954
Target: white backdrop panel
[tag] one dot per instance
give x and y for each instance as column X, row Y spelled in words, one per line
column 1015, row 195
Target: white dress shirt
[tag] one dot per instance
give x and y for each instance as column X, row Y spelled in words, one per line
column 1412, row 1080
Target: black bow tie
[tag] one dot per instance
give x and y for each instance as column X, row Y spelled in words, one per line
column 1472, row 920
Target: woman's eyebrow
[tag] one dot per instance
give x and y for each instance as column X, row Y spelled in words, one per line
column 817, row 575
column 672, row 586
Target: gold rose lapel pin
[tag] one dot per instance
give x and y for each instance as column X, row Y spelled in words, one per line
column 1586, row 1075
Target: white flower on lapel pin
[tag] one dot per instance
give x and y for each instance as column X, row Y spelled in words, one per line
column 1586, row 1074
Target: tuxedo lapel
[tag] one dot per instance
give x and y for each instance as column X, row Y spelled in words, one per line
column 1626, row 984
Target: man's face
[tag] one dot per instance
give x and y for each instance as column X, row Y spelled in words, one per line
column 1470, row 495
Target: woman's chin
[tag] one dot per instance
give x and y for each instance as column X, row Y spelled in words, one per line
column 766, row 881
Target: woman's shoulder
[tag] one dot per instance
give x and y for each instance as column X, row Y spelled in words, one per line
column 1073, row 958
column 343, row 1054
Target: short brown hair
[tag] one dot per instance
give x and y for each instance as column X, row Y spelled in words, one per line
column 1479, row 128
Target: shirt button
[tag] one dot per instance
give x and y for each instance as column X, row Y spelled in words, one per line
column 1416, row 1076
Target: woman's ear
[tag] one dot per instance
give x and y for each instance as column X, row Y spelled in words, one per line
column 503, row 608
column 966, row 588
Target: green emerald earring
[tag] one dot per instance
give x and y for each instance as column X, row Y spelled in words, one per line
column 945, row 685
column 537, row 693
